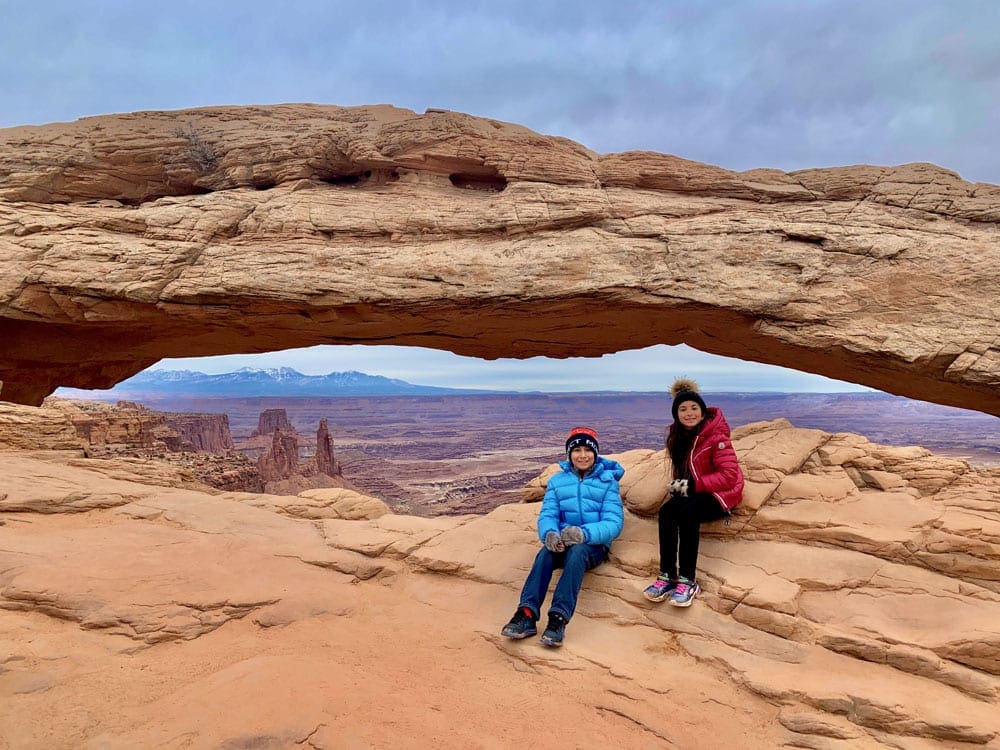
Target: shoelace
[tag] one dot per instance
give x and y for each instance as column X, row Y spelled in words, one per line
column 682, row 588
column 659, row 585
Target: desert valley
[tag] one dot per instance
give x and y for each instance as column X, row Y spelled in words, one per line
column 453, row 454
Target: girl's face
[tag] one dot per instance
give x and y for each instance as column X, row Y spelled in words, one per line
column 689, row 414
column 582, row 458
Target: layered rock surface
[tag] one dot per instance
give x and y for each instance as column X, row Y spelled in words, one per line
column 853, row 602
column 128, row 238
column 128, row 426
column 198, row 446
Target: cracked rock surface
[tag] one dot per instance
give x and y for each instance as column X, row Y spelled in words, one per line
column 853, row 602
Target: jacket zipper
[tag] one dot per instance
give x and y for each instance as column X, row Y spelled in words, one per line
column 695, row 475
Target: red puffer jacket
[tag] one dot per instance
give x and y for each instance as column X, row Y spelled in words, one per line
column 713, row 462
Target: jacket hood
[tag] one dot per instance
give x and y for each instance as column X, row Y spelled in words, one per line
column 601, row 466
column 715, row 423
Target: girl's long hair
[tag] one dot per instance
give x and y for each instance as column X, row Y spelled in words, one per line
column 678, row 442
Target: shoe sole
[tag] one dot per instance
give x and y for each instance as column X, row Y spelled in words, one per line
column 688, row 602
column 551, row 643
column 654, row 598
column 518, row 636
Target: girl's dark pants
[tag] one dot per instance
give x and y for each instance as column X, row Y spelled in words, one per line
column 680, row 520
column 575, row 561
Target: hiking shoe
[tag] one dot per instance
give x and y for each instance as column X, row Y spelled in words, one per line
column 555, row 630
column 660, row 589
column 521, row 625
column 685, row 592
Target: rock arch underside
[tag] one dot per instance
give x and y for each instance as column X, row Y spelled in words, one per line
column 128, row 238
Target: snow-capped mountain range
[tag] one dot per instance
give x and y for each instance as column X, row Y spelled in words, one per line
column 280, row 381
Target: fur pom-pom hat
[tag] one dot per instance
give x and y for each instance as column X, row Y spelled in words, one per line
column 581, row 436
column 685, row 389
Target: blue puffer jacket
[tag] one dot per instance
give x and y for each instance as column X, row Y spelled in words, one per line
column 592, row 503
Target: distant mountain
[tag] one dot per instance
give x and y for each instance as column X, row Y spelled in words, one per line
column 250, row 382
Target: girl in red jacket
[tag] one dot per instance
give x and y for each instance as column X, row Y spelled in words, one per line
column 707, row 484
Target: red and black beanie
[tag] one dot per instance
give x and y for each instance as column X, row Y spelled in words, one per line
column 582, row 436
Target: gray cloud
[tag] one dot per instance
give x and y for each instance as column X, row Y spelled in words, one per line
column 740, row 84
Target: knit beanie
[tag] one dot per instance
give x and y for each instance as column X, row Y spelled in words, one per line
column 683, row 390
column 581, row 436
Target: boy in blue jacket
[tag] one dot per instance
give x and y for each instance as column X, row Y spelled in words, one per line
column 581, row 515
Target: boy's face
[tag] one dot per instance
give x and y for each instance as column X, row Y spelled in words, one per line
column 582, row 458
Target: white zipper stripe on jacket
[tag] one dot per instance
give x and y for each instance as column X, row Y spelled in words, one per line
column 690, row 461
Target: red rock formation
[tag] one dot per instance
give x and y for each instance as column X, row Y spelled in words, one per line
column 199, row 433
column 232, row 472
column 200, row 443
column 37, row 429
column 283, row 473
column 281, row 460
column 271, row 420
column 125, row 428
column 326, row 462
column 131, row 428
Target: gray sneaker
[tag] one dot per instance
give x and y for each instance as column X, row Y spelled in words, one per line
column 555, row 630
column 521, row 625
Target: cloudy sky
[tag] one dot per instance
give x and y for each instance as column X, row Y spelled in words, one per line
column 786, row 84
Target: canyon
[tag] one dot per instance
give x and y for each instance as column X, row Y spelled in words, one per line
column 440, row 455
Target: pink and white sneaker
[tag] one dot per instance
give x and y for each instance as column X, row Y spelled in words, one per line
column 685, row 592
column 659, row 589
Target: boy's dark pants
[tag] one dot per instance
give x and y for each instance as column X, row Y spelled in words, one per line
column 575, row 561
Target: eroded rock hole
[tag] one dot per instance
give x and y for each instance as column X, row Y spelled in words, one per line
column 811, row 239
column 490, row 183
column 359, row 179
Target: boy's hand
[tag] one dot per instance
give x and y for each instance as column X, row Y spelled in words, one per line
column 572, row 535
column 553, row 543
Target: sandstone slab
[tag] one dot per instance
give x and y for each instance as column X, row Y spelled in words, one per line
column 835, row 616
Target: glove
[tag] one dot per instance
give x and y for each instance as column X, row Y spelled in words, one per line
column 573, row 535
column 553, row 543
column 679, row 487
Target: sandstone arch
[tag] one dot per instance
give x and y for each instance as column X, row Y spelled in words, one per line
column 128, row 238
